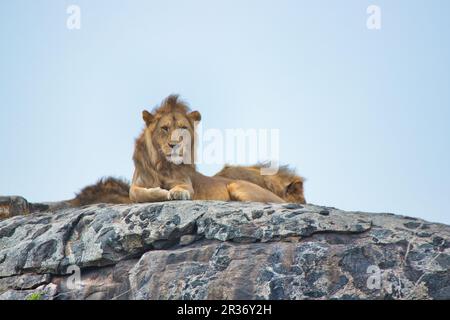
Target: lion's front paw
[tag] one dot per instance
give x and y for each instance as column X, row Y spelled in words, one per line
column 178, row 194
column 158, row 192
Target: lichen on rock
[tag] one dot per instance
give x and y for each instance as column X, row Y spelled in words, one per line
column 222, row 250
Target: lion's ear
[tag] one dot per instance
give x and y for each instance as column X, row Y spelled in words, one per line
column 147, row 116
column 195, row 116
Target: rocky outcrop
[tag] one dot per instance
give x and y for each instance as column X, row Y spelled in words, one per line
column 13, row 206
column 222, row 250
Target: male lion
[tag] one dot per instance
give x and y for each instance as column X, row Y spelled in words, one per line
column 161, row 172
column 159, row 176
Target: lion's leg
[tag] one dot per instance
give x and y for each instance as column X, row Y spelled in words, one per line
column 181, row 192
column 245, row 191
column 139, row 194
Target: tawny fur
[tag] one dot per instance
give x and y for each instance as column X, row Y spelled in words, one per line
column 285, row 183
column 105, row 190
column 158, row 178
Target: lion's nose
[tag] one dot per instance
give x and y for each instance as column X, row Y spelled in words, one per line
column 172, row 144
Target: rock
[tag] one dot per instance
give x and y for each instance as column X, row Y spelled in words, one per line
column 13, row 206
column 221, row 250
column 187, row 239
column 44, row 292
column 24, row 281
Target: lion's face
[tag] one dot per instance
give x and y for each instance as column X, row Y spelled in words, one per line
column 172, row 135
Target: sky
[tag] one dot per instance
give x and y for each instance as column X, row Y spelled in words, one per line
column 362, row 114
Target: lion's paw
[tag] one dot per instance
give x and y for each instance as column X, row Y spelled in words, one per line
column 178, row 194
column 158, row 192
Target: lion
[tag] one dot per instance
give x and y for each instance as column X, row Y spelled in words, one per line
column 159, row 175
column 285, row 183
column 165, row 165
column 105, row 190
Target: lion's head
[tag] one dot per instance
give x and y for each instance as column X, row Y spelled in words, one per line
column 287, row 184
column 294, row 191
column 169, row 134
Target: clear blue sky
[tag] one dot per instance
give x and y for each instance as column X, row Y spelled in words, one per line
column 364, row 115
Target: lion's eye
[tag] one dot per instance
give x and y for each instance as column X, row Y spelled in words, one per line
column 165, row 129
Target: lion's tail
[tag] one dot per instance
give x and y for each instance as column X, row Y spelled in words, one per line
column 105, row 190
